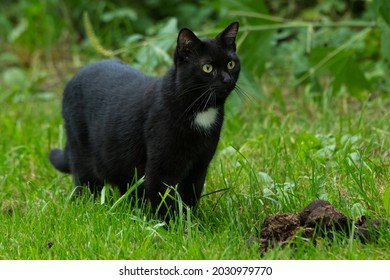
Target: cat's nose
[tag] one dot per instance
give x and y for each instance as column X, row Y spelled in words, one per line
column 226, row 79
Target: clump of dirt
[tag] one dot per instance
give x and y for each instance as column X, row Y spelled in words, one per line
column 368, row 229
column 278, row 229
column 319, row 219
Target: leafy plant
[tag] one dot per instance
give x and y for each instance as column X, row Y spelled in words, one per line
column 318, row 52
column 382, row 8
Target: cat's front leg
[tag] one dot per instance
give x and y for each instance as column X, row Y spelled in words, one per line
column 190, row 189
column 160, row 182
column 165, row 186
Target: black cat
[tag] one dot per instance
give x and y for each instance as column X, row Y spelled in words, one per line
column 120, row 122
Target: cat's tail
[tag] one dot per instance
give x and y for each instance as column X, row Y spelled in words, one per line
column 59, row 160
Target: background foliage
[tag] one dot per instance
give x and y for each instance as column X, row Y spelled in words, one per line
column 314, row 125
column 344, row 44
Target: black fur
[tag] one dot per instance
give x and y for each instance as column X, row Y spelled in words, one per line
column 120, row 122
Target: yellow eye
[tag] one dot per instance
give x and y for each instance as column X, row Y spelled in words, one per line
column 231, row 65
column 208, row 68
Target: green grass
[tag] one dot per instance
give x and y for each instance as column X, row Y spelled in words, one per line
column 276, row 154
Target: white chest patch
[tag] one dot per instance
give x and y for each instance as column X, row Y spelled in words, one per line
column 206, row 119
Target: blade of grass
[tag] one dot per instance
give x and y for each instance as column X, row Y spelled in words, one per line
column 127, row 194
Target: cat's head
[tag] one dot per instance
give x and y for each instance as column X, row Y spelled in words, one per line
column 207, row 68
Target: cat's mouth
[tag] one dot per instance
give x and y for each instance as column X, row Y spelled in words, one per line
column 219, row 97
column 214, row 96
column 223, row 92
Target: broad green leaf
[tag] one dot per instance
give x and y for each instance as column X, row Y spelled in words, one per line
column 15, row 78
column 120, row 13
column 133, row 38
column 382, row 8
column 385, row 40
column 169, row 27
column 357, row 210
column 9, row 58
column 317, row 55
column 355, row 80
column 328, row 146
column 345, row 70
column 157, row 51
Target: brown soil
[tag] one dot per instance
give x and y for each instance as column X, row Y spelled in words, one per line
column 319, row 219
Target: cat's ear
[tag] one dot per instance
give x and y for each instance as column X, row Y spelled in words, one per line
column 228, row 36
column 186, row 42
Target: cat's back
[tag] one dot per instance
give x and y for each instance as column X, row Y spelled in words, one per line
column 110, row 73
column 105, row 92
column 108, row 83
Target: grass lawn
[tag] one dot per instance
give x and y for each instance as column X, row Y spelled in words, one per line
column 277, row 153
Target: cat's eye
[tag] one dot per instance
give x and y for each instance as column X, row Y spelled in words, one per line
column 208, row 68
column 231, row 65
